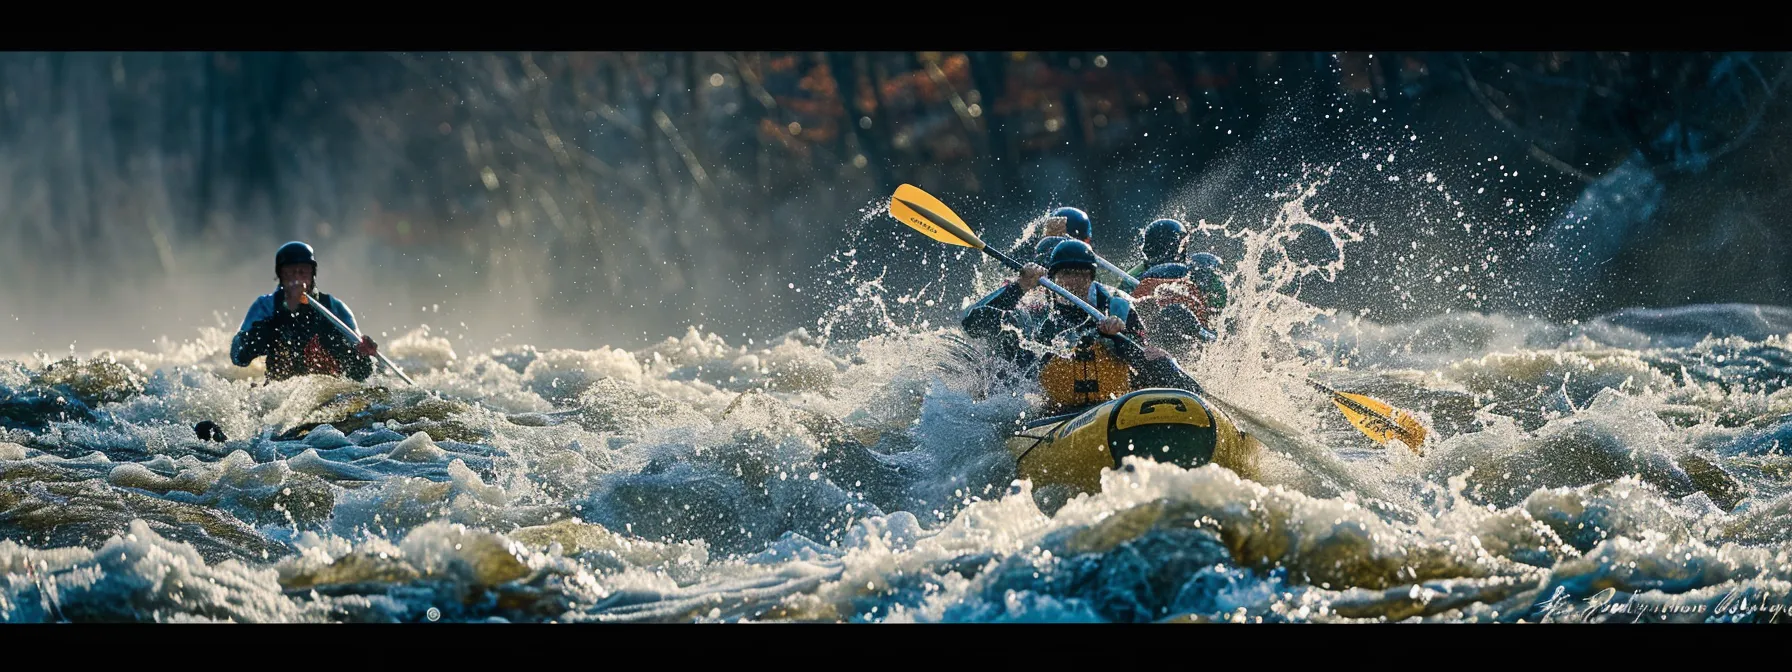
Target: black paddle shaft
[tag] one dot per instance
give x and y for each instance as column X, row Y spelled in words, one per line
column 1005, row 259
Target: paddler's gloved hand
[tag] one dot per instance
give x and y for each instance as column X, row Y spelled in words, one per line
column 1110, row 326
column 367, row 348
column 291, row 295
column 1030, row 275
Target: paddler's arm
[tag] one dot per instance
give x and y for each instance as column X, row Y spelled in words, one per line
column 1135, row 326
column 984, row 318
column 256, row 336
column 1153, row 372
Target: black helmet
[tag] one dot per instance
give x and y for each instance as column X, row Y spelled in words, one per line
column 1042, row 252
column 1163, row 239
column 1072, row 254
column 1076, row 223
column 294, row 252
column 1204, row 261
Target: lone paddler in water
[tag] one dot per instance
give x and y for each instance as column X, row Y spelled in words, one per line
column 302, row 331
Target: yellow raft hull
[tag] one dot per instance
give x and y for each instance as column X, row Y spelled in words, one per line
column 1064, row 457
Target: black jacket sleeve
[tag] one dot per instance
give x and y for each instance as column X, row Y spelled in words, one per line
column 1153, row 373
column 254, row 342
column 984, row 318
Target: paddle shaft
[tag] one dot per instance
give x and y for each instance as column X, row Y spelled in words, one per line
column 1116, row 270
column 1047, row 283
column 351, row 333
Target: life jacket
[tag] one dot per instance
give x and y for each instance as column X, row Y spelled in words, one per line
column 300, row 349
column 1094, row 373
column 1091, row 375
column 311, row 359
column 1176, row 289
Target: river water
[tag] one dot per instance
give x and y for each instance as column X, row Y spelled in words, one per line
column 1630, row 467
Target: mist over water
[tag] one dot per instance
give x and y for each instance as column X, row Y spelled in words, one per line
column 574, row 199
column 826, row 447
column 153, row 188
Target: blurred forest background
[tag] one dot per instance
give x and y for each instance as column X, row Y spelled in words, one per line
column 566, row 198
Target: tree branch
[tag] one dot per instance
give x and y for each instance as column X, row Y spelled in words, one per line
column 958, row 105
column 1535, row 150
column 751, row 78
column 684, row 152
column 1754, row 120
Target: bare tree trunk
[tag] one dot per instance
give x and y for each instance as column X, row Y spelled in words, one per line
column 695, row 120
column 648, row 102
column 989, row 70
column 757, row 109
column 848, row 80
column 884, row 123
column 1082, row 151
column 202, row 203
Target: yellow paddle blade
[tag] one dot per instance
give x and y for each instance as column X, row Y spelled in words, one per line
column 1378, row 420
column 924, row 213
column 1412, row 434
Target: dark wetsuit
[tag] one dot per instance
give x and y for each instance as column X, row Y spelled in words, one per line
column 299, row 343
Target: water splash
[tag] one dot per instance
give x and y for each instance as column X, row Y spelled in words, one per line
column 859, row 476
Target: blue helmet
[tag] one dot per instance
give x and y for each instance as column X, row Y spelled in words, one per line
column 1076, row 223
column 1072, row 254
column 1204, row 261
column 1042, row 252
column 1163, row 239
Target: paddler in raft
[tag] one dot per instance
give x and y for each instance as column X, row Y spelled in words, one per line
column 1074, row 224
column 1183, row 299
column 295, row 339
column 1111, row 397
column 1106, row 360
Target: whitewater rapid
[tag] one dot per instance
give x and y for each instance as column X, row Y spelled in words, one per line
column 1629, row 467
